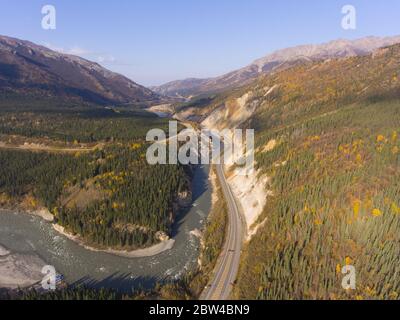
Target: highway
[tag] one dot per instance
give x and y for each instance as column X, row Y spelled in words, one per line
column 226, row 269
column 227, row 266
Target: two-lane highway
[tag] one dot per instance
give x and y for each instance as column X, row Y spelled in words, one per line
column 228, row 263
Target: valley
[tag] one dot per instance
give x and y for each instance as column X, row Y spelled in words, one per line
column 324, row 193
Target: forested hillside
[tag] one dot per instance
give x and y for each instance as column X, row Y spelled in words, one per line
column 334, row 169
column 108, row 193
column 59, row 121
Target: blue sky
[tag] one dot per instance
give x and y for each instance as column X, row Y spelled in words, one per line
column 155, row 41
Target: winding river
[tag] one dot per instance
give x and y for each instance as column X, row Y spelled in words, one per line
column 26, row 234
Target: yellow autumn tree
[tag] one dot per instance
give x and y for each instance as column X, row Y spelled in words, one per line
column 356, row 208
column 395, row 209
column 394, row 136
column 380, row 138
column 377, row 213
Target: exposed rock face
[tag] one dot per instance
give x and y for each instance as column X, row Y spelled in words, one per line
column 232, row 113
column 251, row 192
column 44, row 214
column 27, row 68
column 279, row 60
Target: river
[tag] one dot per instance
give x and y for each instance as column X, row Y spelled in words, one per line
column 27, row 234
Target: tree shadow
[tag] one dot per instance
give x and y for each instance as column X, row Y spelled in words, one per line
column 122, row 283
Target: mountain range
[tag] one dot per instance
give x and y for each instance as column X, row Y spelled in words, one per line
column 277, row 61
column 27, row 68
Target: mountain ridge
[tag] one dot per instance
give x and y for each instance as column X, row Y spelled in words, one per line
column 276, row 61
column 26, row 67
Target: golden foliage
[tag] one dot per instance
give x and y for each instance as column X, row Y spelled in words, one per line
column 318, row 222
column 359, row 159
column 356, row 208
column 395, row 209
column 394, row 136
column 377, row 213
column 135, row 146
column 380, row 138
